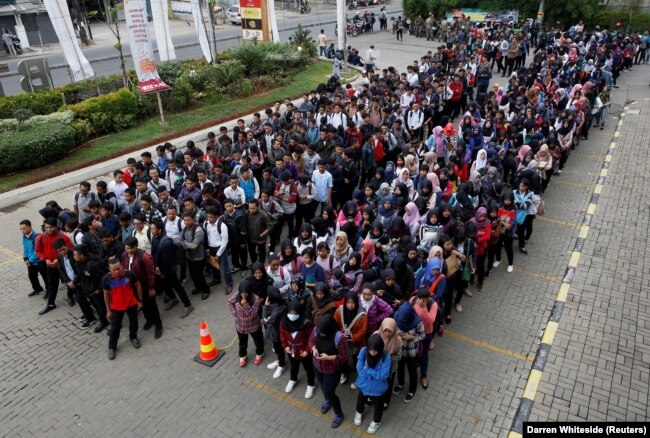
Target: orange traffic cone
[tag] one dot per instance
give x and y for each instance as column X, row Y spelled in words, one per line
column 208, row 353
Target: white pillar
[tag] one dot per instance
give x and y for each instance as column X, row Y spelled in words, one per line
column 272, row 20
column 20, row 31
column 341, row 10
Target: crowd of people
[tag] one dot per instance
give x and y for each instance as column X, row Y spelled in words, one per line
column 358, row 219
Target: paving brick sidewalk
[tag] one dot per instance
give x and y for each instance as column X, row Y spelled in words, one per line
column 598, row 368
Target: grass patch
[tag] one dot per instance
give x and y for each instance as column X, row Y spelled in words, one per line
column 149, row 130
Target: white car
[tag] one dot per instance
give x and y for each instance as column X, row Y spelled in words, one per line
column 233, row 14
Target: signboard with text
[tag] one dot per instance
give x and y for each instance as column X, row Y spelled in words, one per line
column 135, row 12
column 253, row 19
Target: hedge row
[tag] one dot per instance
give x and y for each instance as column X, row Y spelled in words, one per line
column 40, row 145
column 109, row 112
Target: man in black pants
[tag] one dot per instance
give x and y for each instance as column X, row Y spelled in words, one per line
column 49, row 255
column 163, row 252
column 141, row 263
column 90, row 271
column 122, row 294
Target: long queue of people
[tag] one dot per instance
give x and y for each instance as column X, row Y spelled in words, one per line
column 367, row 213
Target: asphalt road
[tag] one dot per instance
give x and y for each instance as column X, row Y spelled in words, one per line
column 186, row 45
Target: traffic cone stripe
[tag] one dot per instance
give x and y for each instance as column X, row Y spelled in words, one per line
column 207, row 348
column 208, row 353
column 204, row 332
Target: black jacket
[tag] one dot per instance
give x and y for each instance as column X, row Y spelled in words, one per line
column 90, row 273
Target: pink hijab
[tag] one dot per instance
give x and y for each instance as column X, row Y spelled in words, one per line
column 411, row 214
column 440, row 143
column 435, row 181
column 522, row 152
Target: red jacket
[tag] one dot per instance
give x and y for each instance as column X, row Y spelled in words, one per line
column 143, row 268
column 45, row 245
column 457, row 88
column 299, row 344
column 483, row 238
column 462, row 172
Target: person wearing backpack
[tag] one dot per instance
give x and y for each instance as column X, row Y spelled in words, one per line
column 141, row 232
column 164, row 257
column 81, row 200
column 373, row 367
column 412, row 333
column 286, row 192
column 217, row 234
column 34, row 265
column 48, row 255
column 523, row 201
column 90, row 271
column 193, row 242
column 280, row 276
column 141, row 263
column 330, row 352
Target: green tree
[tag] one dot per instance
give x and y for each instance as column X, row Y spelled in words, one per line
column 569, row 12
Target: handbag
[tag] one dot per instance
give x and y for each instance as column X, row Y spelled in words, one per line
column 452, row 265
column 541, row 207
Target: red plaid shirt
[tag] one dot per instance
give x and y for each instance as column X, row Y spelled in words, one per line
column 247, row 319
column 330, row 366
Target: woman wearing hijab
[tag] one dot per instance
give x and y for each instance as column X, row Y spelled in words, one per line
column 295, row 333
column 392, row 345
column 330, row 352
column 545, row 165
column 349, row 213
column 464, row 205
column 353, row 323
column 412, row 219
column 386, row 210
column 495, row 236
column 484, row 231
column 379, row 238
column 342, row 248
column 306, row 238
column 446, row 186
column 481, row 161
column 384, row 190
column 412, row 333
column 427, row 309
column 373, row 367
column 322, row 302
column 388, row 290
column 320, row 229
column 446, row 220
column 289, row 257
column 376, row 308
column 274, row 310
column 404, row 178
column 352, row 231
column 508, row 218
column 367, row 219
column 260, row 282
column 406, row 278
column 244, row 307
column 369, row 259
column 353, row 272
column 378, row 180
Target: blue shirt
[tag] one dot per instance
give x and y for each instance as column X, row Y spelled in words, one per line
column 29, row 248
column 162, row 164
column 322, row 182
column 68, row 269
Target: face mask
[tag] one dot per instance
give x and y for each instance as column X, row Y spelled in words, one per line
column 293, row 316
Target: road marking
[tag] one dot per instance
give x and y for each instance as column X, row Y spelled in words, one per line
column 539, row 275
column 299, row 404
column 558, row 221
column 514, row 435
column 488, row 346
column 10, row 252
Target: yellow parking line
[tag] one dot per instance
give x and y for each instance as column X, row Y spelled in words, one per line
column 539, row 275
column 293, row 402
column 490, row 347
column 558, row 221
column 10, row 252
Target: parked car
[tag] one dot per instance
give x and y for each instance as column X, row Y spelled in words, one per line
column 233, row 13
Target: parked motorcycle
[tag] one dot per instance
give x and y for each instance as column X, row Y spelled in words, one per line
column 304, row 7
column 16, row 43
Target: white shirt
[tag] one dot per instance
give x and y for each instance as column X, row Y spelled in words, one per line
column 173, row 229
column 217, row 238
column 415, row 119
column 161, row 182
column 118, row 189
column 238, row 196
column 406, row 100
column 338, row 119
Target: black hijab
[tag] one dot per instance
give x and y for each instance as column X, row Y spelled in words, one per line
column 327, row 298
column 331, row 217
column 320, row 227
column 349, row 315
column 259, row 287
column 375, row 343
column 325, row 338
column 297, row 325
column 287, row 259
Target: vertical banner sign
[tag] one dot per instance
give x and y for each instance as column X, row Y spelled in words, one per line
column 272, row 21
column 160, row 20
column 252, row 20
column 199, row 24
column 136, row 22
column 62, row 23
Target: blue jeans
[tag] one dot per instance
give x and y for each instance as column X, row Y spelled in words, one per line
column 424, row 360
column 328, row 384
column 225, row 267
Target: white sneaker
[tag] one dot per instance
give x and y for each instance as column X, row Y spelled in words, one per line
column 496, row 264
column 373, row 427
column 459, row 308
column 344, row 379
column 273, row 365
column 278, row 372
column 353, row 386
column 310, row 391
column 510, row 268
column 358, row 419
column 290, row 386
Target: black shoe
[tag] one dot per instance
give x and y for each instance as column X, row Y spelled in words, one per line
column 158, row 333
column 205, row 295
column 214, row 282
column 397, row 389
column 101, row 326
column 487, row 274
column 70, row 301
column 136, row 343
column 46, row 296
column 87, row 324
column 147, row 325
column 409, row 398
column 194, row 291
column 523, row 251
column 34, row 293
column 111, row 354
column 46, row 309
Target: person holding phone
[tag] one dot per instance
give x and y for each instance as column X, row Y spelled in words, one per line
column 330, row 353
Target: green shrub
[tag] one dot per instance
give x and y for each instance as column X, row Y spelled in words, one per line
column 81, row 131
column 241, row 88
column 38, row 102
column 34, row 147
column 108, row 113
column 170, row 72
column 65, row 117
column 75, row 92
column 228, row 71
column 607, row 19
